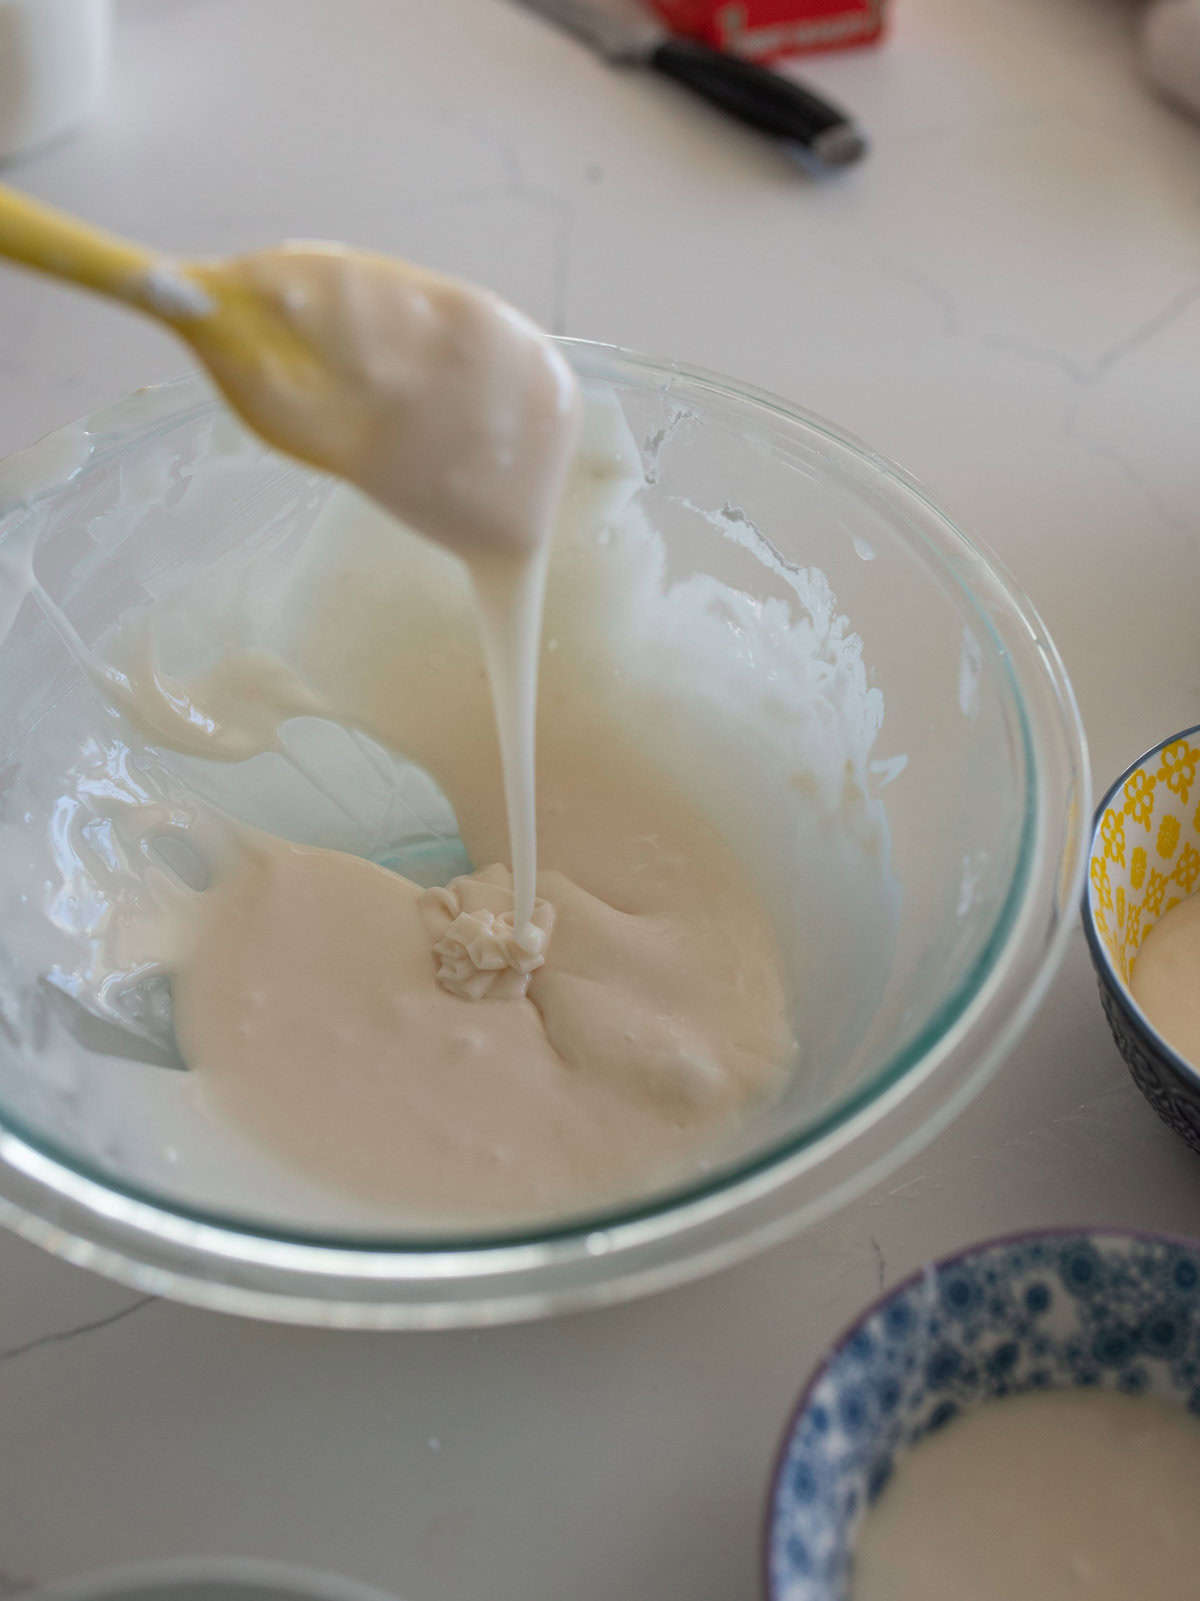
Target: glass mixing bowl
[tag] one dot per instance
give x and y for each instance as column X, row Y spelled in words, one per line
column 211, row 1579
column 981, row 772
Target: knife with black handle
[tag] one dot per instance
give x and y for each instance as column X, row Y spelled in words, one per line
column 753, row 94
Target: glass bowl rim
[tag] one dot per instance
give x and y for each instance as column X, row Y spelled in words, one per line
column 280, row 1581
column 41, row 1161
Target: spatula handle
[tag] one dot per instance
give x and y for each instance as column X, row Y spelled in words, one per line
column 50, row 241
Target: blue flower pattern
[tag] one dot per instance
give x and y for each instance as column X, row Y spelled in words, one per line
column 1108, row 1310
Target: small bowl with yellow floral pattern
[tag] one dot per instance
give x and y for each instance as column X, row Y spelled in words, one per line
column 1144, row 860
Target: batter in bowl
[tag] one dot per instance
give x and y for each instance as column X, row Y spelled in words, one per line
column 353, row 1021
column 437, row 1050
column 1073, row 1495
column 1166, row 977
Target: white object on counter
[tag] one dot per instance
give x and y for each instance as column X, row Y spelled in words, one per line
column 53, row 63
column 1171, row 44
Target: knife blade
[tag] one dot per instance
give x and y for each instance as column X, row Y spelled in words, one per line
column 618, row 33
column 753, row 94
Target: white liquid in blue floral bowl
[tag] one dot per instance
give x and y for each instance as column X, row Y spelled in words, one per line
column 1074, row 1495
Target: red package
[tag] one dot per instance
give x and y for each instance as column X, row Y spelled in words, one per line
column 762, row 30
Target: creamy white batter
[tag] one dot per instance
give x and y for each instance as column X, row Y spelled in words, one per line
column 307, row 1003
column 677, row 715
column 303, row 981
column 1166, row 977
column 309, row 990
column 1065, row 1496
column 327, row 1000
column 448, row 407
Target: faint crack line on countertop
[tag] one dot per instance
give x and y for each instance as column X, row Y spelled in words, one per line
column 564, row 247
column 936, row 293
column 1138, row 479
column 1040, row 355
column 914, row 1186
column 880, row 1261
column 1079, row 1119
column 1161, row 320
column 1086, row 374
column 561, row 213
column 59, row 1336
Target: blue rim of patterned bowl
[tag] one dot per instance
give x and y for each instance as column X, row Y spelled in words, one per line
column 1137, row 1020
column 930, row 1271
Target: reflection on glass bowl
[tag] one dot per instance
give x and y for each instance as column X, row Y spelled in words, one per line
column 982, row 781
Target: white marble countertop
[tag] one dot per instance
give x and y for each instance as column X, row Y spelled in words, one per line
column 1006, row 298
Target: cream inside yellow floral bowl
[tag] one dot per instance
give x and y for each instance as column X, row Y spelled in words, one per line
column 1144, row 860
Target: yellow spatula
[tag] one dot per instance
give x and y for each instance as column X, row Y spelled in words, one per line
column 450, row 408
column 235, row 329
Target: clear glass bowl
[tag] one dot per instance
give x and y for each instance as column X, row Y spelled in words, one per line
column 211, row 1579
column 983, row 778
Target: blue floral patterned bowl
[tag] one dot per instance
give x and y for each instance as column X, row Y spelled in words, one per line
column 1105, row 1309
column 1144, row 859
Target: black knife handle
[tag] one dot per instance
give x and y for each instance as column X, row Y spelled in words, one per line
column 764, row 99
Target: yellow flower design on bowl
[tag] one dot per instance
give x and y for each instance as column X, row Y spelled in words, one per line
column 1146, row 849
column 1145, row 859
column 1178, row 770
